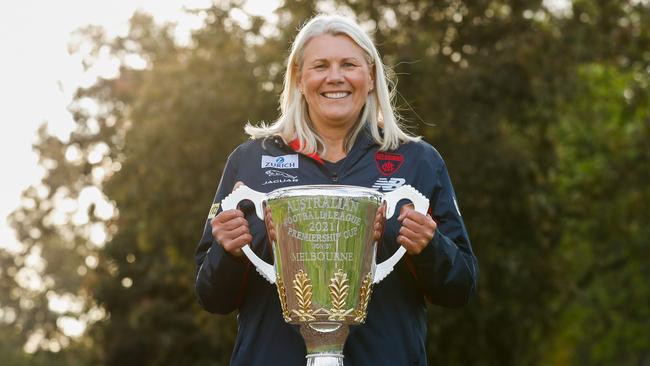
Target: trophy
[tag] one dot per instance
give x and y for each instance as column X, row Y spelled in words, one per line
column 324, row 249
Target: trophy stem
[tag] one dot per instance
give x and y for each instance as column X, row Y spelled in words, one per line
column 325, row 359
column 324, row 347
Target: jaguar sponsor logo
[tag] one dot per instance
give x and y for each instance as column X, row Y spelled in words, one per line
column 280, row 162
column 276, row 177
column 388, row 184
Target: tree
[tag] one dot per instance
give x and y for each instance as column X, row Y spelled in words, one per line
column 604, row 162
column 542, row 122
column 188, row 114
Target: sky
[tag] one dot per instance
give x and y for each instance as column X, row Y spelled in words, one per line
column 38, row 74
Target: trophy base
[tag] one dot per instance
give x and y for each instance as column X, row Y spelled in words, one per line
column 325, row 359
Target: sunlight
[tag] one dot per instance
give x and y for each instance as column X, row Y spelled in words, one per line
column 70, row 326
column 559, row 7
column 34, row 341
column 28, row 278
column 66, row 303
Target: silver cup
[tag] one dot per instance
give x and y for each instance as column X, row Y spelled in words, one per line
column 324, row 256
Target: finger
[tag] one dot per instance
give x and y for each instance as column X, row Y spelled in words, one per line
column 379, row 226
column 272, row 234
column 227, row 215
column 234, row 246
column 268, row 221
column 404, row 210
column 419, row 232
column 377, row 233
column 237, row 242
column 408, row 222
column 408, row 232
column 232, row 234
column 414, row 216
column 414, row 236
column 410, row 246
column 221, row 233
column 237, row 184
column 234, row 224
column 413, row 221
column 229, row 230
column 242, row 240
column 430, row 222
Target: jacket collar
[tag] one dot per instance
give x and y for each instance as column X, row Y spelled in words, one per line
column 363, row 141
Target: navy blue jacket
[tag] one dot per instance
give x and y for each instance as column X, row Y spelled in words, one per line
column 445, row 272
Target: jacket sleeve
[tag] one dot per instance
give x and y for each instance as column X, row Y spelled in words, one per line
column 220, row 277
column 447, row 267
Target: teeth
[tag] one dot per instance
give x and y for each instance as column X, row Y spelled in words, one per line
column 336, row 95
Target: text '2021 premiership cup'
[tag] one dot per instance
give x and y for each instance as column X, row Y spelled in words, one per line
column 324, row 256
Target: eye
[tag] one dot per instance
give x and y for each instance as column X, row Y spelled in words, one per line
column 348, row 64
column 319, row 66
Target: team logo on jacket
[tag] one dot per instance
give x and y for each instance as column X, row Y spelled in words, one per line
column 387, row 185
column 388, row 163
column 276, row 176
column 213, row 210
column 280, row 162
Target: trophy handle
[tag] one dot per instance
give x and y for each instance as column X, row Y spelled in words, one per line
column 421, row 204
column 230, row 202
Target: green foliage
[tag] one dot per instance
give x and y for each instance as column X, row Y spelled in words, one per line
column 186, row 118
column 542, row 119
column 601, row 182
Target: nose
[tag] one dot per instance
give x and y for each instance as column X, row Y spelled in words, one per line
column 334, row 74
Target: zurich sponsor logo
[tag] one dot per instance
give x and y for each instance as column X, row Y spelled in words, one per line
column 387, row 185
column 280, row 162
column 276, row 177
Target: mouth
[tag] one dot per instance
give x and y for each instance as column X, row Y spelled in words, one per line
column 335, row 95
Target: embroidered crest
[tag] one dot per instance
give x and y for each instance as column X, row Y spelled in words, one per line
column 388, row 163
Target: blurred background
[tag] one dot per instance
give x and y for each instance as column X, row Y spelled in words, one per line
column 117, row 118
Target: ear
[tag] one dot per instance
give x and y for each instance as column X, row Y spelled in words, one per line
column 372, row 79
column 298, row 77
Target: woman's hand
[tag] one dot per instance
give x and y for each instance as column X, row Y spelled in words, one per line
column 230, row 228
column 417, row 229
column 378, row 224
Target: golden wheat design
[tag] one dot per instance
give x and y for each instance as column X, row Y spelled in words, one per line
column 302, row 286
column 338, row 294
column 364, row 299
column 283, row 300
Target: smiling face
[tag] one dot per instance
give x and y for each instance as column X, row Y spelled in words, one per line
column 335, row 79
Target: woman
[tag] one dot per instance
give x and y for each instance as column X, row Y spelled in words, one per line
column 337, row 126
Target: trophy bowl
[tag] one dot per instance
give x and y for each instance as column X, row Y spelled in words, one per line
column 324, row 250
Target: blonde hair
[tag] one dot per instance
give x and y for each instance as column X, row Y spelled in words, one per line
column 378, row 110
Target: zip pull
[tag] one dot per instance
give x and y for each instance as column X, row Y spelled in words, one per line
column 335, row 177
